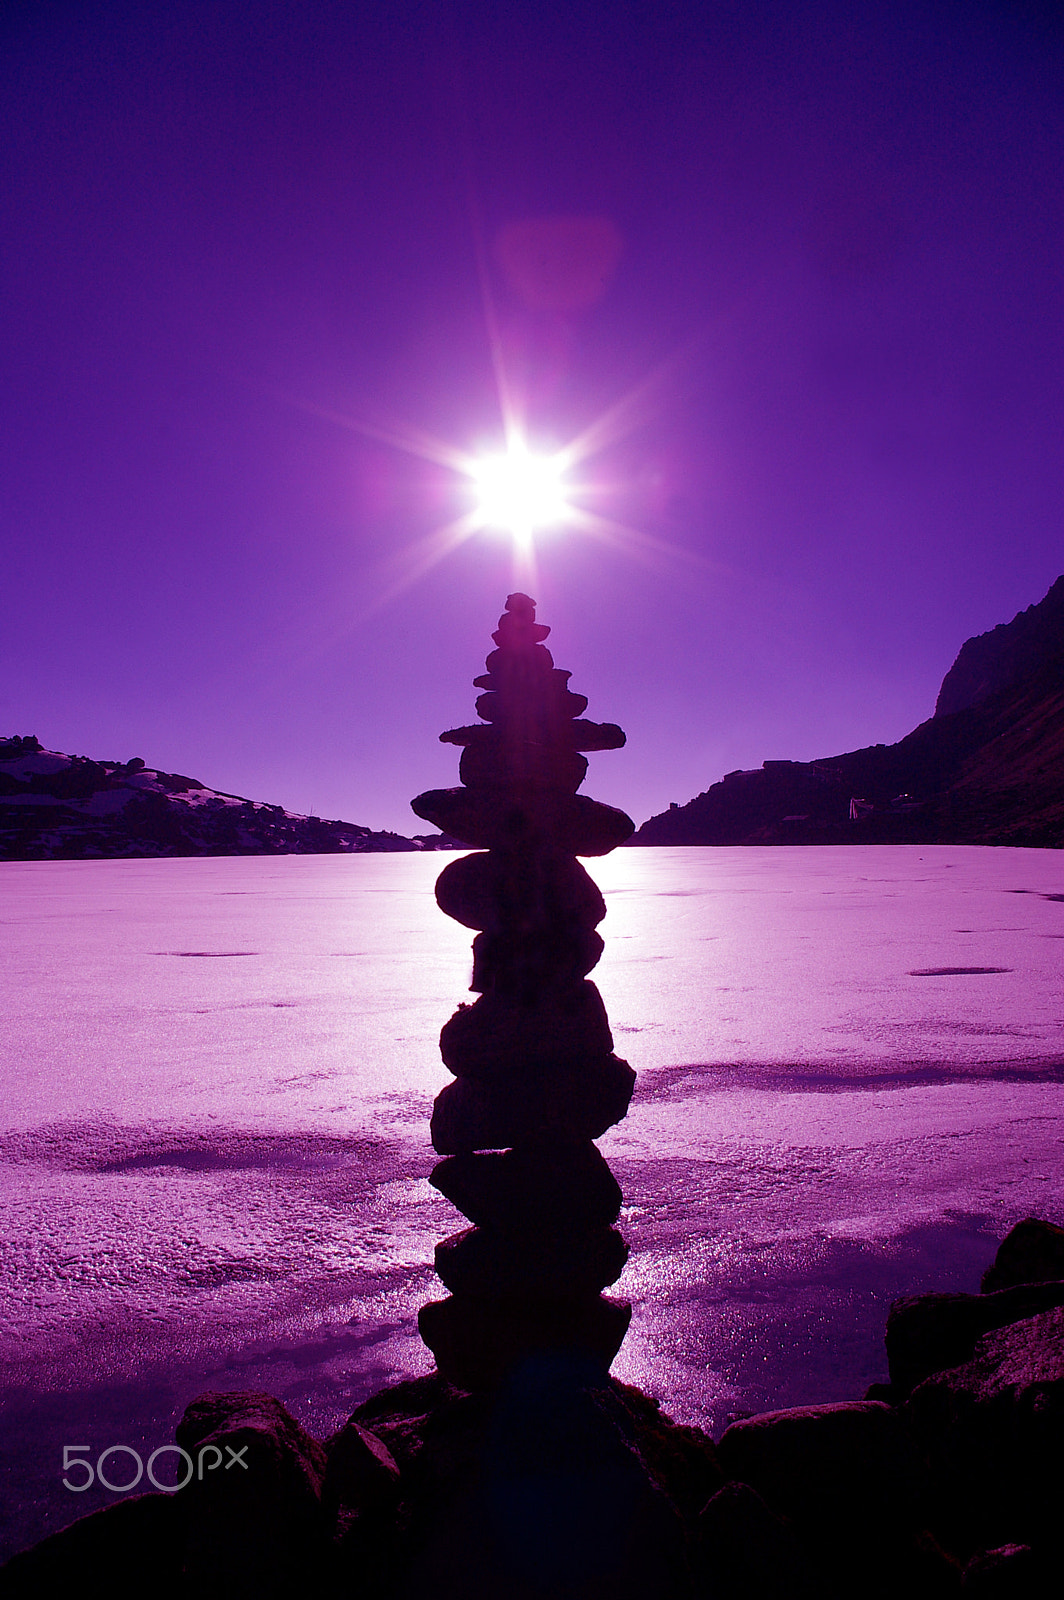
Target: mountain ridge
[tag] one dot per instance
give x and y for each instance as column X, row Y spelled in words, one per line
column 995, row 660
column 986, row 768
column 55, row 807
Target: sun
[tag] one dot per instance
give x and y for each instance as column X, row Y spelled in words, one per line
column 520, row 492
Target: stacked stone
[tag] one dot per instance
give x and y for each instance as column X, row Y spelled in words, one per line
column 536, row 1080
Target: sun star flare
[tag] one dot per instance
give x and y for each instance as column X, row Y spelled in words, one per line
column 520, row 492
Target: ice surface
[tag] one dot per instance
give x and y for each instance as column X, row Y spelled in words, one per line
column 218, row 1075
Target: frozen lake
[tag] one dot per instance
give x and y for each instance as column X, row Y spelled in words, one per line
column 218, row 1075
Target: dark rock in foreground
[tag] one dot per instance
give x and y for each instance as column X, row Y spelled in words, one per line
column 992, row 1431
column 848, row 1461
column 748, row 1550
column 55, row 807
column 929, row 1332
column 108, row 1553
column 252, row 1513
column 561, row 1484
column 1032, row 1252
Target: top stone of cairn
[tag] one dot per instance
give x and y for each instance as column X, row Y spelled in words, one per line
column 521, row 765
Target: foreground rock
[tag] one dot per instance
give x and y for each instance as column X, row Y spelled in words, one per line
column 746, row 1549
column 992, row 1432
column 558, row 1483
column 252, row 1513
column 849, row 1461
column 928, row 1333
column 1032, row 1252
column 107, row 1553
column 562, row 1483
column 849, row 1484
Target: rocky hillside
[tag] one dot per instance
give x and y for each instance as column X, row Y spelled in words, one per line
column 1007, row 654
column 59, row 807
column 987, row 768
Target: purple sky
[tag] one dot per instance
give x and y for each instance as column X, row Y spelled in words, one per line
column 230, row 227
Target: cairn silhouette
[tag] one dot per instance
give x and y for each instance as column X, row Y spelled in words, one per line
column 536, row 1080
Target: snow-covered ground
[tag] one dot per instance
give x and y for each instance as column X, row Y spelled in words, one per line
column 218, row 1074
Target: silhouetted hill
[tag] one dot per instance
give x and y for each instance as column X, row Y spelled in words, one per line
column 59, row 807
column 990, row 771
column 1008, row 653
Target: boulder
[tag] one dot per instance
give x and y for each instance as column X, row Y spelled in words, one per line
column 522, row 762
column 512, row 817
column 500, row 1036
column 496, row 890
column 560, row 1185
column 136, row 1542
column 546, row 1488
column 1031, row 1252
column 992, row 1430
column 747, row 1551
column 929, row 1333
column 360, row 1497
column 253, row 1515
column 565, row 1104
column 525, row 966
column 361, row 1473
column 681, row 1459
column 849, row 1461
column 1008, row 1573
column 481, row 1261
column 479, row 1342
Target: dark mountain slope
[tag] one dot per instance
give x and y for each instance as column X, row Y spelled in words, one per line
column 990, row 772
column 1006, row 655
column 59, row 807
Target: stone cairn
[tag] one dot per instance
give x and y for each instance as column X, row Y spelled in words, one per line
column 536, row 1080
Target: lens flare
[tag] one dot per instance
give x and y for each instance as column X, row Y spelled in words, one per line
column 518, row 492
